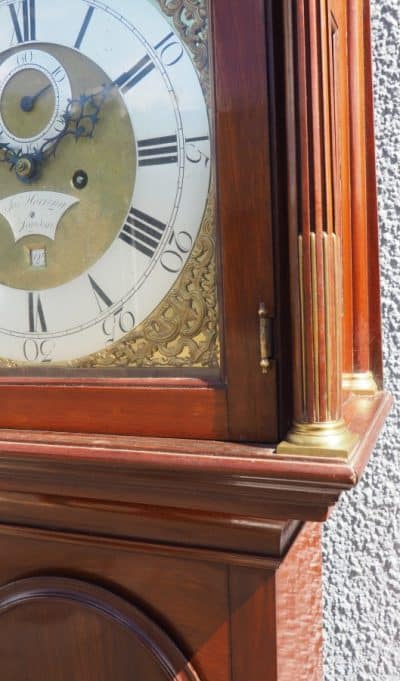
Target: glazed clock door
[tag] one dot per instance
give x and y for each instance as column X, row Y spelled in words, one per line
column 129, row 221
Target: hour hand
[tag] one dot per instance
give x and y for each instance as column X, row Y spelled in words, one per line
column 80, row 120
column 83, row 112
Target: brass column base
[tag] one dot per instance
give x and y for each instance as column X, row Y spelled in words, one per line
column 328, row 439
column 362, row 383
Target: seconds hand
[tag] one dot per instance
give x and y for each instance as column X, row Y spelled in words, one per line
column 27, row 103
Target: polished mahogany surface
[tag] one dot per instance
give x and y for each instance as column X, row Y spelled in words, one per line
column 296, row 219
column 90, row 635
column 150, row 530
column 85, row 606
column 241, row 403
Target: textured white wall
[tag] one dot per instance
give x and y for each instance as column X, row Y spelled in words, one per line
column 362, row 537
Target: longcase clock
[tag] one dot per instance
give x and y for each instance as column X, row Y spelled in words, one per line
column 190, row 368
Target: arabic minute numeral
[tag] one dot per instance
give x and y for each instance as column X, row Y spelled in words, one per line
column 59, row 74
column 59, row 124
column 120, row 321
column 38, row 351
column 25, row 58
column 170, row 51
column 179, row 245
column 193, row 152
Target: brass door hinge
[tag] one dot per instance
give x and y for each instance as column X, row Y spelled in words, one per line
column 266, row 336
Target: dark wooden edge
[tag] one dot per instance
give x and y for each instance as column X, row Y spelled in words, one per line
column 243, row 481
column 373, row 227
column 130, row 546
column 244, row 210
column 126, row 521
column 191, row 412
column 282, row 197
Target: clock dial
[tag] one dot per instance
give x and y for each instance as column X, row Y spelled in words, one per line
column 37, row 72
column 105, row 173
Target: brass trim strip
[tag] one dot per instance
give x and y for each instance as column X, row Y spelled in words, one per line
column 338, row 287
column 326, row 248
column 315, row 328
column 302, row 325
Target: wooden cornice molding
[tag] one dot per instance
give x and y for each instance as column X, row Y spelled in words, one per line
column 236, row 480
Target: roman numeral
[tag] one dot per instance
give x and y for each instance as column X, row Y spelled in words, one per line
column 36, row 314
column 142, row 232
column 158, row 151
column 27, row 30
column 101, row 297
column 129, row 79
column 197, row 139
column 84, row 28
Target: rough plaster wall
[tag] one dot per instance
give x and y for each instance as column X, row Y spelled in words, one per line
column 362, row 538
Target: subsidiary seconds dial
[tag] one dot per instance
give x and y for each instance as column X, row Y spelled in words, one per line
column 96, row 237
column 27, row 121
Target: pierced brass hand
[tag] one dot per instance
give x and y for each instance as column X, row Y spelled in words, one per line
column 80, row 120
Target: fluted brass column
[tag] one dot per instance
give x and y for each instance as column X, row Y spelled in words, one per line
column 315, row 237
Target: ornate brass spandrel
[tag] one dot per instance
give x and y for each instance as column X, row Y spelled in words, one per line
column 8, row 364
column 190, row 18
column 183, row 330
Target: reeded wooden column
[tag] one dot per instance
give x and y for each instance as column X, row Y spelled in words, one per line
column 315, row 230
column 360, row 378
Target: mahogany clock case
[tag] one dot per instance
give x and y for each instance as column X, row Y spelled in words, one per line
column 284, row 165
column 130, row 543
column 238, row 401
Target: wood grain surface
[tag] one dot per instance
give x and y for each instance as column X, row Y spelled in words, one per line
column 240, row 403
column 93, row 608
column 299, row 609
column 69, row 629
column 148, row 527
column 237, row 480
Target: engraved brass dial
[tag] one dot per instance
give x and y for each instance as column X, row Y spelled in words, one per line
column 87, row 228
